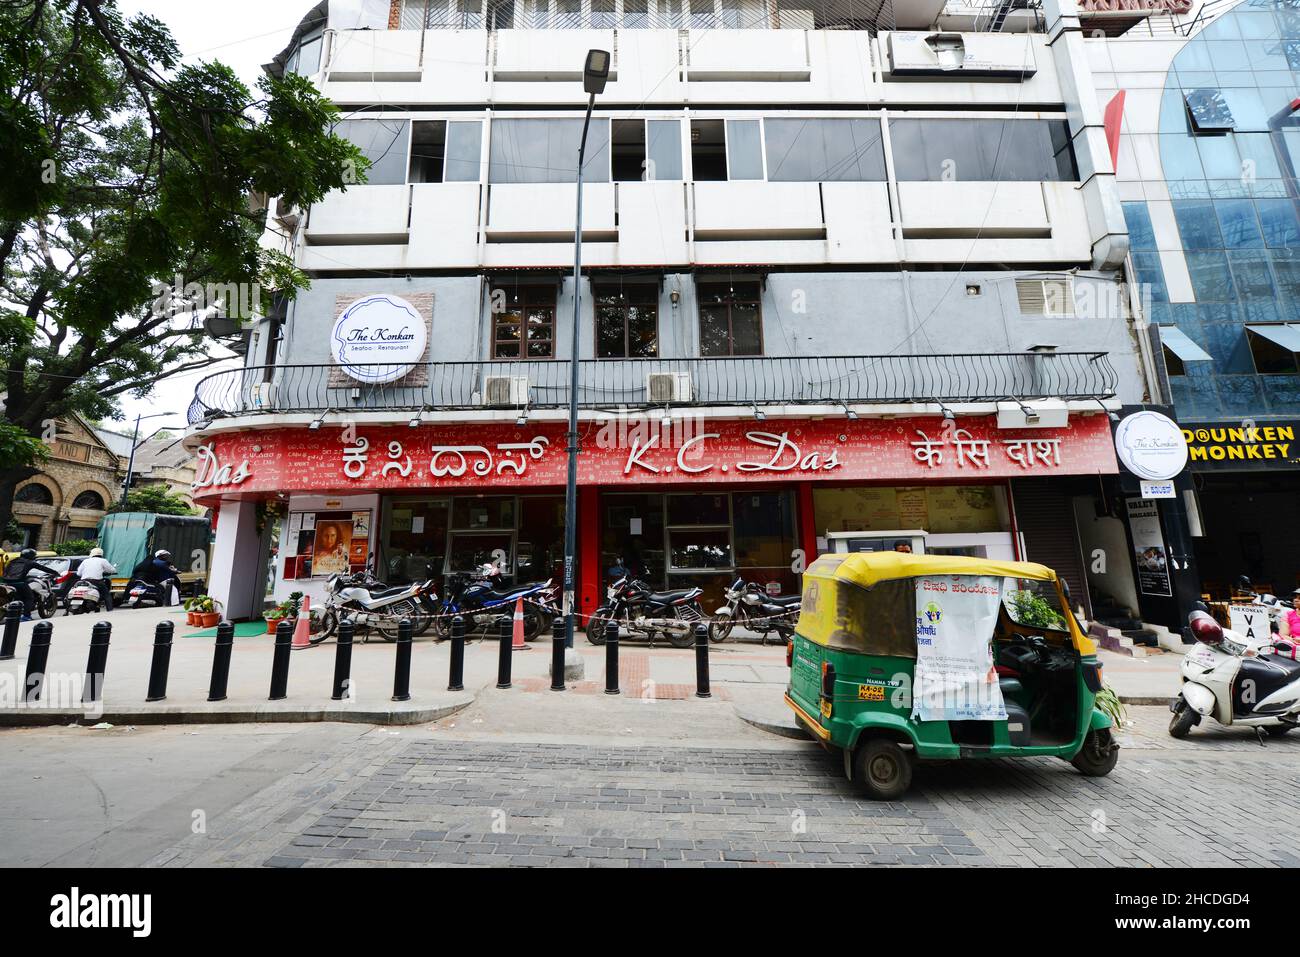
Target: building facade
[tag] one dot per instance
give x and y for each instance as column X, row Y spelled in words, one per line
column 849, row 276
column 73, row 490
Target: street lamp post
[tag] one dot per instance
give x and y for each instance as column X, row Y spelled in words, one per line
column 135, row 439
column 595, row 74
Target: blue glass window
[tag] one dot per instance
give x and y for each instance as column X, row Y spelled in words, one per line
column 1259, row 158
column 1219, row 156
column 1140, row 233
column 1280, row 221
column 1210, row 277
column 1150, row 273
column 1198, row 225
column 1237, row 220
column 1286, row 266
column 1251, row 275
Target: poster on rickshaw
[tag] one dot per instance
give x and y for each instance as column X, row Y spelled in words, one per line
column 955, row 679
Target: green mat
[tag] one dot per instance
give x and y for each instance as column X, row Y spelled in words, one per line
column 243, row 629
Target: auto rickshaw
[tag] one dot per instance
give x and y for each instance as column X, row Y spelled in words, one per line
column 899, row 658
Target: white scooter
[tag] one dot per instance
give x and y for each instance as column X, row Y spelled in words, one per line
column 83, row 599
column 1236, row 681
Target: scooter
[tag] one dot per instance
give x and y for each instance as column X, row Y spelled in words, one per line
column 648, row 614
column 1273, row 606
column 143, row 594
column 83, row 598
column 1236, row 681
column 750, row 606
column 369, row 603
column 47, row 602
column 478, row 599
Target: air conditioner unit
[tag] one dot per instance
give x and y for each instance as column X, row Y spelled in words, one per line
column 664, row 387
column 505, row 390
column 287, row 215
column 262, row 395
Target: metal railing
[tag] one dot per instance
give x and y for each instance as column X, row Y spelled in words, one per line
column 627, row 383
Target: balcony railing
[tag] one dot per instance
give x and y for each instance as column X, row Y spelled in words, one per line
column 627, row 383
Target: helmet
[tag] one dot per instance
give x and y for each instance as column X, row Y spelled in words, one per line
column 163, row 554
column 96, row 553
column 27, row 553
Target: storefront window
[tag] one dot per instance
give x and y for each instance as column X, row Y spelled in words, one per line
column 700, row 549
column 470, row 551
column 699, row 510
column 489, row 512
column 417, row 539
column 540, row 549
column 632, row 538
column 941, row 509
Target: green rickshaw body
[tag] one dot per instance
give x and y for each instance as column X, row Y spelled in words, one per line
column 853, row 660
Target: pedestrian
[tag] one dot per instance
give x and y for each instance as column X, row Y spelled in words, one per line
column 99, row 571
column 1289, row 627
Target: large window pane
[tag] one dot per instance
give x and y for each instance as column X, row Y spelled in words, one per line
column 546, row 151
column 1281, row 227
column 823, row 150
column 384, row 143
column 1210, row 277
column 982, row 150
column 664, row 149
column 1197, row 225
column 464, row 149
column 744, row 150
column 730, row 319
column 627, row 317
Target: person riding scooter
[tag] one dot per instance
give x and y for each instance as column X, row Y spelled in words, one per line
column 99, row 571
column 160, row 572
column 15, row 577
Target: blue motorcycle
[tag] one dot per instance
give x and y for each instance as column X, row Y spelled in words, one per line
column 478, row 599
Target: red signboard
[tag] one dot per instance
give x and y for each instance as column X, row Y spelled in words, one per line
column 644, row 451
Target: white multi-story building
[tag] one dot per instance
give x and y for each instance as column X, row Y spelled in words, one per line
column 855, row 268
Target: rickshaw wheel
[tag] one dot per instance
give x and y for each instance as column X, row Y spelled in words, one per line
column 1098, row 755
column 882, row 769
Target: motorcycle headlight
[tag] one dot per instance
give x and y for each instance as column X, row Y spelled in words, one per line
column 610, row 593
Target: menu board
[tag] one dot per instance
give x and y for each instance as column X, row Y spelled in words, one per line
column 320, row 544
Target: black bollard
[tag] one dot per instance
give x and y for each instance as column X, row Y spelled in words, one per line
column 13, row 614
column 162, row 658
column 221, row 661
column 37, row 655
column 93, row 687
column 702, row 662
column 611, row 657
column 402, row 670
column 505, row 628
column 343, row 660
column 557, row 654
column 280, row 663
column 456, row 678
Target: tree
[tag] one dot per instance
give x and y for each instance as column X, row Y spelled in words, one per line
column 125, row 174
column 153, row 498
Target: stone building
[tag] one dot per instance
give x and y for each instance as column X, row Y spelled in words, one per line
column 67, row 499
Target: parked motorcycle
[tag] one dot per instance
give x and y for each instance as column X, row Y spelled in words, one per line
column 83, row 598
column 750, row 606
column 1236, row 681
column 370, row 604
column 648, row 614
column 481, row 602
column 47, row 602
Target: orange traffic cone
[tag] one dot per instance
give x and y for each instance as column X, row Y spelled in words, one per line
column 302, row 628
column 517, row 642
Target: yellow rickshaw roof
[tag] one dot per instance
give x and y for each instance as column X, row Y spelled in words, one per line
column 868, row 568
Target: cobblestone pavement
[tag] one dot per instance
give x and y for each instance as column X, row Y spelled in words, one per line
column 451, row 796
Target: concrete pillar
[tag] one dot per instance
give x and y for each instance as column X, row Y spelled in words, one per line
column 233, row 579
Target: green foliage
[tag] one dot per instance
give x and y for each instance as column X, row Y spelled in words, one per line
column 20, row 448
column 1034, row 611
column 1108, row 703
column 286, row 609
column 153, row 498
column 74, row 546
column 205, row 604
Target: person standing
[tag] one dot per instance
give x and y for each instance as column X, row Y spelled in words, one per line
column 1289, row 627
column 99, row 571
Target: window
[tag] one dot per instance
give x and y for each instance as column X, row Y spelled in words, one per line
column 34, row 494
column 525, row 327
column 1274, row 348
column 546, row 151
column 503, row 14
column 384, row 144
column 744, row 149
column 636, row 14
column 469, row 14
column 443, row 151
column 305, row 59
column 708, row 150
column 982, row 150
column 627, row 320
column 646, row 150
column 569, row 14
column 699, row 533
column 1045, row 297
column 1209, row 111
column 730, row 319
column 1033, row 603
column 730, row 149
column 91, row 500
column 602, row 15
column 813, row 150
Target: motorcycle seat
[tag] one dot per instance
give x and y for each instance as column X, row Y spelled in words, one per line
column 784, row 601
column 667, row 597
column 387, row 590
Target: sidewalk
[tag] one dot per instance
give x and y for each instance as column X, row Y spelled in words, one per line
column 1152, row 680
column 661, row 673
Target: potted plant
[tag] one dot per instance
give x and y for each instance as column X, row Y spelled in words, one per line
column 207, row 612
column 285, row 609
column 192, row 614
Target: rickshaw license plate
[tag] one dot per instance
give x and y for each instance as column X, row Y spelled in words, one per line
column 871, row 692
column 826, row 707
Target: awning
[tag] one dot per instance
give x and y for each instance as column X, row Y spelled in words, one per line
column 1177, row 342
column 1286, row 335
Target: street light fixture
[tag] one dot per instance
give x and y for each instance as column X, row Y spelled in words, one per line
column 595, row 74
column 135, row 444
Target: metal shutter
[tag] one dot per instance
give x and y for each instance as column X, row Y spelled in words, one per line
column 1045, row 517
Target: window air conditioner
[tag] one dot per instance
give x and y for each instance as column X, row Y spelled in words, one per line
column 663, row 387
column 505, row 390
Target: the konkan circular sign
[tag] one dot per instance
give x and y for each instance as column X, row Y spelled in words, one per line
column 1151, row 445
column 379, row 339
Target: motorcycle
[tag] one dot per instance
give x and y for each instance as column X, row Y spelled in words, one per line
column 143, row 594
column 1236, row 681
column 47, row 602
column 83, row 598
column 370, row 604
column 750, row 606
column 632, row 605
column 477, row 598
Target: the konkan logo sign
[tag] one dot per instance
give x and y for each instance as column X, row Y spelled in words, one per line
column 76, row 910
column 379, row 339
column 1151, row 445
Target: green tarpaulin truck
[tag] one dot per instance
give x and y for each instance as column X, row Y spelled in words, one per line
column 127, row 537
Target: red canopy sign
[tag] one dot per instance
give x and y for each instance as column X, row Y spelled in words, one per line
column 500, row 456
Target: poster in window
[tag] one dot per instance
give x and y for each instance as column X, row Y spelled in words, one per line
column 332, row 547
column 1150, row 557
column 360, row 524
